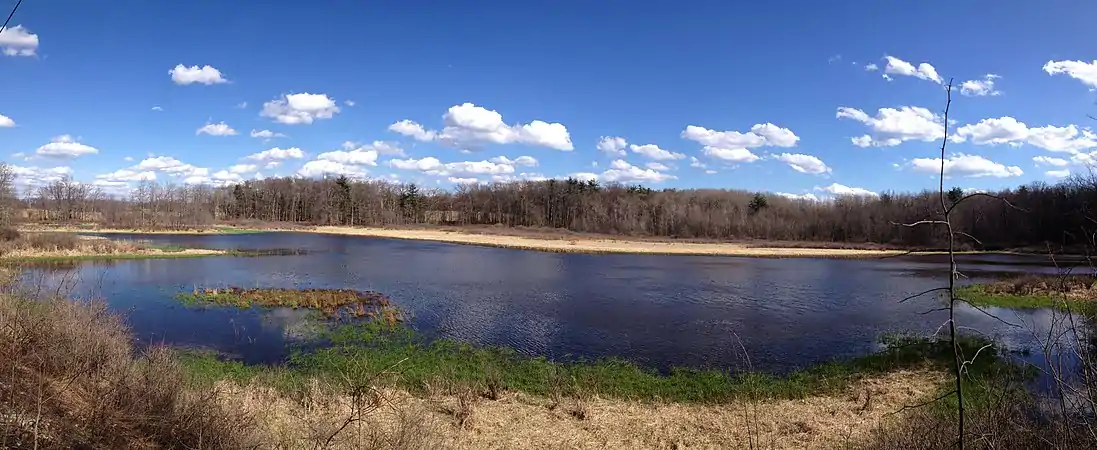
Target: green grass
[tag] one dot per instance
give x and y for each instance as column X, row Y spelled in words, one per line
column 361, row 352
column 234, row 230
column 979, row 295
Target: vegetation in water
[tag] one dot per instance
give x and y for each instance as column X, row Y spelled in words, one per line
column 333, row 303
column 1076, row 293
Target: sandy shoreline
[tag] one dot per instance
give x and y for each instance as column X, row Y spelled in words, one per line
column 582, row 245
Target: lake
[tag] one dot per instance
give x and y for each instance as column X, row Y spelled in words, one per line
column 659, row 311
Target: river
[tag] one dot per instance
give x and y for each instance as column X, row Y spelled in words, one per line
column 659, row 311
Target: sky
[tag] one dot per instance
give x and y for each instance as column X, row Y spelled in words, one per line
column 801, row 98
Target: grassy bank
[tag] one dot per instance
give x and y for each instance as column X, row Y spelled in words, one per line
column 332, row 303
column 18, row 246
column 1077, row 293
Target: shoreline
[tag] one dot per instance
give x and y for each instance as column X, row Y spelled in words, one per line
column 588, row 244
column 87, row 256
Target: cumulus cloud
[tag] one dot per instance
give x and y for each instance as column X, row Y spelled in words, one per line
column 65, row 147
column 843, row 190
column 243, row 168
column 206, row 75
column 806, row 196
column 499, row 168
column 157, row 108
column 321, row 168
column 265, row 134
column 216, row 129
column 733, row 146
column 621, row 171
column 892, row 126
column 17, row 41
column 277, row 154
column 657, row 166
column 304, row 108
column 519, row 161
column 803, row 163
column 356, row 157
column 1049, row 161
column 468, row 125
column 1063, row 173
column 924, row 71
column 381, row 147
column 694, row 162
column 653, row 151
column 120, row 176
column 457, row 180
column 170, row 166
column 613, row 146
column 973, row 166
column 871, row 67
column 1086, row 72
column 6, row 122
column 1007, row 130
column 980, row 88
column 37, row 176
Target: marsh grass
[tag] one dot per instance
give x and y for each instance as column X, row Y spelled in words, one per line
column 1076, row 293
column 374, row 346
column 332, row 303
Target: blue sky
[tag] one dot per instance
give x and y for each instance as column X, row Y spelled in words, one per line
column 774, row 96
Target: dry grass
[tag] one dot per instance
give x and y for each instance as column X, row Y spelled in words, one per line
column 1075, row 287
column 454, row 418
column 69, row 379
column 50, row 245
column 579, row 245
column 333, row 303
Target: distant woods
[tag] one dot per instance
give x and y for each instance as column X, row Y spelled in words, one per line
column 1064, row 214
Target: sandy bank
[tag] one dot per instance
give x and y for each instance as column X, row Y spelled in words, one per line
column 604, row 245
column 519, row 421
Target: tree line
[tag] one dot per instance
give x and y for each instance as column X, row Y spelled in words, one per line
column 1039, row 214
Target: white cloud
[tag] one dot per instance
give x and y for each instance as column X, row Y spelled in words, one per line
column 871, row 67
column 892, row 126
column 17, row 41
column 216, row 129
column 170, row 166
column 1058, row 173
column 413, row 130
column 734, row 146
column 349, row 102
column 320, row 168
column 356, row 157
column 20, row 155
column 456, row 180
column 272, row 165
column 295, row 109
column 277, row 154
column 584, row 176
column 519, row 161
column 694, row 162
column 6, row 122
column 806, row 196
column 803, row 163
column 735, row 155
column 36, row 176
column 923, row 71
column 65, row 146
column 242, row 168
column 973, row 166
column 126, row 176
column 128, row 159
column 265, row 134
column 206, row 75
column 157, row 108
column 1049, row 161
column 842, row 190
column 1080, row 70
column 623, row 172
column 614, row 146
column 653, row 151
column 710, row 172
column 468, row 125
column 241, row 105
column 657, row 166
column 980, row 88
column 381, row 147
column 1007, row 130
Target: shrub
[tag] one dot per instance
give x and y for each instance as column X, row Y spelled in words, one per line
column 53, row 241
column 8, row 234
column 69, row 379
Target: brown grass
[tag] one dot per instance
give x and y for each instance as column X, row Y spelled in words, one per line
column 1076, row 287
column 69, row 379
column 44, row 245
column 457, row 418
column 333, row 303
column 603, row 245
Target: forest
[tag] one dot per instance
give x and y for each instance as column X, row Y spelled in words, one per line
column 1037, row 215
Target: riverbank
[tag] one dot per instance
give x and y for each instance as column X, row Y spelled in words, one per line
column 44, row 247
column 603, row 245
column 1075, row 293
